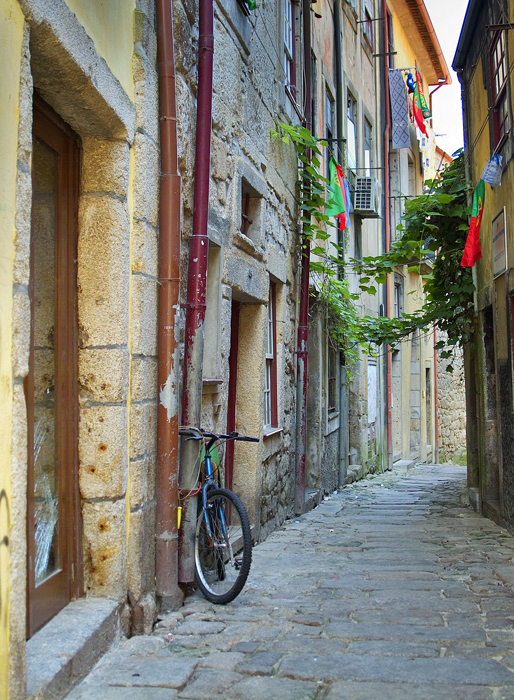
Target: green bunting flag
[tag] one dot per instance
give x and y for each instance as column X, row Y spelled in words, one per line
column 473, row 251
column 252, row 5
column 336, row 198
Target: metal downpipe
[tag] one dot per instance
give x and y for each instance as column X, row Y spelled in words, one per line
column 303, row 331
column 196, row 288
column 387, row 224
column 169, row 273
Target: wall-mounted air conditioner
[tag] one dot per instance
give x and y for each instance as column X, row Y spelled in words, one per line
column 366, row 199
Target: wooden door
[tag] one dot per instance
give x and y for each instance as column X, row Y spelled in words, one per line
column 232, row 393
column 53, row 506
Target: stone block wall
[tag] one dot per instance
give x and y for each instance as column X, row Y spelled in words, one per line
column 452, row 409
column 246, row 100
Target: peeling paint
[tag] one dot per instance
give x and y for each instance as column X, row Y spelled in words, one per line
column 168, row 398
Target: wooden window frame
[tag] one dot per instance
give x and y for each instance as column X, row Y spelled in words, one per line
column 45, row 600
column 289, row 49
column 270, row 380
column 332, row 381
column 499, row 72
column 367, row 26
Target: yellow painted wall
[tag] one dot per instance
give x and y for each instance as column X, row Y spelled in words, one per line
column 110, row 24
column 405, row 53
column 11, row 36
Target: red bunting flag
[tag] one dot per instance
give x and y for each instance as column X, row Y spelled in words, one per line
column 473, row 251
column 418, row 115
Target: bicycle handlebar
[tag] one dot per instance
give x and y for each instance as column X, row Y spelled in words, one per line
column 199, row 434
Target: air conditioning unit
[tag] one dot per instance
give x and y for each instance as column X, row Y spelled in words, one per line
column 366, row 199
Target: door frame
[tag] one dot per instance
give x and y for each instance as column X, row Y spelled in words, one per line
column 66, row 584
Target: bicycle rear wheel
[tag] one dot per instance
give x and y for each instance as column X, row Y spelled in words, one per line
column 223, row 563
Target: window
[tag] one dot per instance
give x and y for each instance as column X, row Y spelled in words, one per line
column 368, row 22
column 499, row 72
column 367, row 147
column 398, row 296
column 251, row 211
column 332, row 394
column 289, row 57
column 270, row 380
column 397, row 290
column 351, row 133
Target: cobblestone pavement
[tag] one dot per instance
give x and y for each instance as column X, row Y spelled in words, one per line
column 389, row 590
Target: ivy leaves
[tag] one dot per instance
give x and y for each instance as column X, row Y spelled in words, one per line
column 434, row 227
column 434, row 230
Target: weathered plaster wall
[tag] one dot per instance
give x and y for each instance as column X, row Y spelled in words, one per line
column 111, row 26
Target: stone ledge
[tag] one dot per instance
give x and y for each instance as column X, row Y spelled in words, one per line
column 66, row 648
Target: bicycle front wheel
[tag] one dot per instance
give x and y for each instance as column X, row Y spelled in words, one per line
column 222, row 562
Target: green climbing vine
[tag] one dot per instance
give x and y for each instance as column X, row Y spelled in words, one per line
column 434, row 230
column 330, row 289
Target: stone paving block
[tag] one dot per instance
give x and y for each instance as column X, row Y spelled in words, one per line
column 171, row 672
column 86, row 692
column 389, row 648
column 350, row 631
column 209, row 684
column 246, row 647
column 418, row 670
column 265, row 688
column 259, row 664
column 352, row 690
column 316, row 646
column 224, row 661
column 399, row 617
column 200, row 627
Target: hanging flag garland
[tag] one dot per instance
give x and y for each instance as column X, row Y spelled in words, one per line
column 472, row 250
column 336, row 199
column 420, row 97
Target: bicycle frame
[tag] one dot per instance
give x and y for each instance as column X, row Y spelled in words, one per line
column 209, row 484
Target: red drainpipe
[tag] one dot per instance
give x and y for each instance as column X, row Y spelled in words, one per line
column 301, row 371
column 196, row 288
column 387, row 223
column 169, row 274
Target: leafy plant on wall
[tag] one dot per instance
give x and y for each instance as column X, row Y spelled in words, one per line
column 434, row 230
column 435, row 226
column 329, row 287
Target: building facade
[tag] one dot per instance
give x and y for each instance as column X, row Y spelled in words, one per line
column 483, row 61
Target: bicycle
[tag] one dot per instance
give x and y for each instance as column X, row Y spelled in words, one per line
column 223, row 542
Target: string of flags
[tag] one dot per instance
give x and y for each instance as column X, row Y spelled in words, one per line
column 492, row 176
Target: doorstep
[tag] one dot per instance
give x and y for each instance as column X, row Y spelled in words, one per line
column 405, row 464
column 65, row 650
column 312, row 499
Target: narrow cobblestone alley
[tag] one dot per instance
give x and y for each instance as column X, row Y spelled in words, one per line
column 390, row 589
